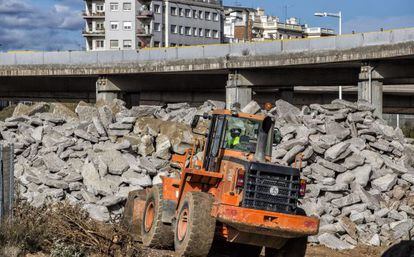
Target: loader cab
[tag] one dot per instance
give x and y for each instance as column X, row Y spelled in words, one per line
column 249, row 135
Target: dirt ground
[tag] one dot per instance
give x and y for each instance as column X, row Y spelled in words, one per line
column 363, row 251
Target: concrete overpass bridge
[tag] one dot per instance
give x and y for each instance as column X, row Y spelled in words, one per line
column 366, row 61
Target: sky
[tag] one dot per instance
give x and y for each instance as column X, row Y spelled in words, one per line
column 57, row 24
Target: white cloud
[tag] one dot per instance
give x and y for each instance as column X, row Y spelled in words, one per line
column 26, row 26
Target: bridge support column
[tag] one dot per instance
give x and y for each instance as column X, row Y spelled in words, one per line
column 370, row 87
column 237, row 91
column 106, row 90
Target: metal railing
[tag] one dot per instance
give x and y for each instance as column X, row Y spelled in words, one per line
column 94, row 14
column 6, row 180
column 144, row 32
column 93, row 32
column 277, row 25
column 145, row 14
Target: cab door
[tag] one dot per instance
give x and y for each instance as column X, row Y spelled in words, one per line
column 214, row 142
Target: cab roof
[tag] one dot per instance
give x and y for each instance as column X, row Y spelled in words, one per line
column 258, row 117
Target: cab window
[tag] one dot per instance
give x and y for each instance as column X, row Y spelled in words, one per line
column 241, row 134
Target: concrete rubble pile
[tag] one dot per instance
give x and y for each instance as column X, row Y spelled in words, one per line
column 96, row 155
column 359, row 171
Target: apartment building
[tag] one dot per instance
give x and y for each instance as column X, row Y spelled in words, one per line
column 238, row 24
column 134, row 24
column 94, row 31
column 247, row 24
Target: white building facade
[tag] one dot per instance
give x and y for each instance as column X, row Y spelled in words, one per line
column 134, row 24
column 247, row 24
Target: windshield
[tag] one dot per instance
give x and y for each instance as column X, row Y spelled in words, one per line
column 241, row 134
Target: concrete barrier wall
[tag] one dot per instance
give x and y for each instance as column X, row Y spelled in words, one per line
column 209, row 51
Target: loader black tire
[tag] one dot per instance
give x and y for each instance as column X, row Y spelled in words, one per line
column 294, row 247
column 195, row 227
column 154, row 232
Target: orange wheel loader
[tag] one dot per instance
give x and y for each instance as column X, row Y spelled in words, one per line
column 233, row 197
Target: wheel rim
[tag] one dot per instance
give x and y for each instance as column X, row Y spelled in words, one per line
column 149, row 216
column 182, row 225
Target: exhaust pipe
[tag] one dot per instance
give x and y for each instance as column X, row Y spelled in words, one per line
column 262, row 139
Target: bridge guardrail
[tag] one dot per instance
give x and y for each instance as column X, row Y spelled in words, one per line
column 209, row 51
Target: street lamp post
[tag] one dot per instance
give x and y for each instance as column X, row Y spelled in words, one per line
column 334, row 15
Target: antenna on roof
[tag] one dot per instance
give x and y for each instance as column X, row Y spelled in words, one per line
column 285, row 10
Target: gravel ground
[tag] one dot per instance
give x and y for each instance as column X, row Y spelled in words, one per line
column 321, row 251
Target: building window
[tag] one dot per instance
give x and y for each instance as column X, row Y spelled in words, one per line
column 187, row 31
column 215, row 34
column 99, row 44
column 188, row 13
column 207, row 16
column 181, row 12
column 173, row 44
column 127, row 25
column 157, row 8
column 99, row 26
column 127, row 44
column 157, row 26
column 114, row 25
column 114, row 7
column 157, row 44
column 174, row 11
column 181, row 30
column 201, row 32
column 200, row 15
column 99, row 8
column 208, row 33
column 127, row 6
column 215, row 16
column 195, row 16
column 174, row 29
column 114, row 44
column 195, row 32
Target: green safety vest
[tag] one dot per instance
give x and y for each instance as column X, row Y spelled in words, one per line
column 234, row 141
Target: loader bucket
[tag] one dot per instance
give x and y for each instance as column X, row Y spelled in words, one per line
column 133, row 213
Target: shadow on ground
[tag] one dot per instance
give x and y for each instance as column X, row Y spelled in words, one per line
column 402, row 249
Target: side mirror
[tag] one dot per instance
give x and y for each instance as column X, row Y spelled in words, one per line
column 277, row 136
column 195, row 121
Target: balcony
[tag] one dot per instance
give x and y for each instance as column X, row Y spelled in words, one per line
column 93, row 15
column 144, row 33
column 145, row 14
column 93, row 33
